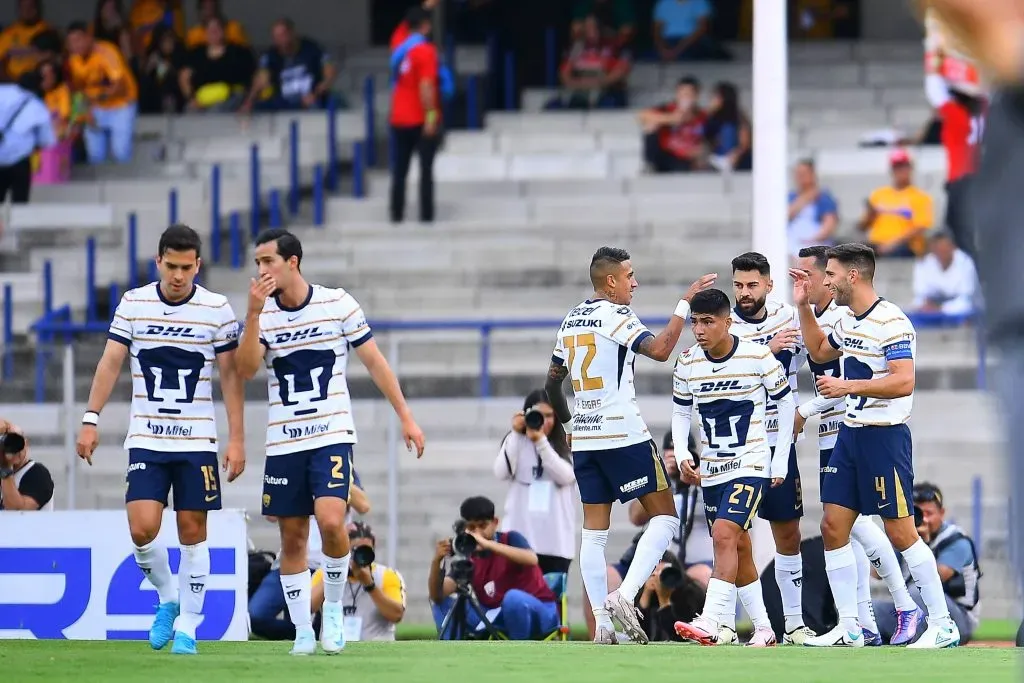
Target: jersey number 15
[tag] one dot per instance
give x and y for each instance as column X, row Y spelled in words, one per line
column 588, row 344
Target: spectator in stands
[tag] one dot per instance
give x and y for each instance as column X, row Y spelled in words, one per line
column 415, row 115
column 98, row 70
column 160, row 87
column 24, row 483
column 674, row 133
column 17, row 52
column 945, row 280
column 957, row 559
column 682, row 31
column 728, row 131
column 540, row 503
column 26, row 127
column 616, row 17
column 296, row 72
column 593, row 73
column 402, row 31
column 505, row 574
column 147, row 15
column 217, row 75
column 57, row 98
column 109, row 24
column 813, row 211
column 234, row 33
column 898, row 215
column 375, row 597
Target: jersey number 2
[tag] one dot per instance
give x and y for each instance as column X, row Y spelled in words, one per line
column 588, row 343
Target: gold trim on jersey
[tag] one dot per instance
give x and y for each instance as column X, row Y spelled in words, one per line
column 753, row 509
column 865, row 423
column 318, row 321
column 174, row 304
column 660, row 480
column 861, row 352
column 604, row 436
column 329, row 395
column 312, row 342
column 177, row 437
column 201, row 379
column 901, row 498
column 153, row 340
column 175, row 417
column 307, row 418
column 619, row 326
column 702, row 359
column 754, row 333
column 175, row 321
column 194, row 400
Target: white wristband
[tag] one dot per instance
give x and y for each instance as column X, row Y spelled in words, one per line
column 567, row 426
column 91, row 417
column 682, row 309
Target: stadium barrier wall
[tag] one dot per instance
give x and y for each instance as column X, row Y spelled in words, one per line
column 71, row 575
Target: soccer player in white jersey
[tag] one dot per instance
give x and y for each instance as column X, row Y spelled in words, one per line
column 775, row 324
column 614, row 456
column 868, row 540
column 731, row 380
column 173, row 330
column 303, row 334
column 871, row 469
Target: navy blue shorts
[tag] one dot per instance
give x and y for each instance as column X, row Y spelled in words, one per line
column 736, row 501
column 871, row 471
column 292, row 482
column 193, row 476
column 619, row 473
column 785, row 502
column 824, row 456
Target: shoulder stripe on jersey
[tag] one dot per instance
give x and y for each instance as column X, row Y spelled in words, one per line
column 362, row 340
column 833, row 343
column 782, row 394
column 555, row 360
column 299, row 324
column 636, row 342
column 187, row 303
column 352, row 313
column 682, row 401
column 356, row 331
column 118, row 338
column 230, row 346
column 175, row 321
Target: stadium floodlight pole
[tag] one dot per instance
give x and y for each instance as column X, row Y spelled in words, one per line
column 770, row 144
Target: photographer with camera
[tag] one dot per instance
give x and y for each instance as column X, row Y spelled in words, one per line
column 957, row 559
column 494, row 580
column 668, row 596
column 536, row 459
column 24, row 483
column 374, row 599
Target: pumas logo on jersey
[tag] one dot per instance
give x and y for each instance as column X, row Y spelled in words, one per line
column 168, row 430
column 724, row 385
column 299, row 335
column 176, row 331
column 308, row 430
column 581, row 322
column 631, row 486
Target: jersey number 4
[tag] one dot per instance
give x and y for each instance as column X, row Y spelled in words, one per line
column 588, row 343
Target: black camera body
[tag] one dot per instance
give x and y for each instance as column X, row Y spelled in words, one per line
column 11, row 443
column 363, row 556
column 463, row 545
column 533, row 418
column 918, row 516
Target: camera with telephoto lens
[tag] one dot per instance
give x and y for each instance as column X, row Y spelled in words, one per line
column 671, row 578
column 463, row 545
column 918, row 516
column 11, row 443
column 533, row 417
column 363, row 556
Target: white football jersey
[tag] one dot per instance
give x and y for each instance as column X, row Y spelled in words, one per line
column 173, row 346
column 778, row 317
column 730, row 394
column 306, row 357
column 832, row 416
column 597, row 341
column 868, row 342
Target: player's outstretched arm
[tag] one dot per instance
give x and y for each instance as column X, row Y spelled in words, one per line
column 384, row 377
column 660, row 347
column 815, row 340
column 557, row 372
column 103, row 382
column 780, row 462
column 232, row 389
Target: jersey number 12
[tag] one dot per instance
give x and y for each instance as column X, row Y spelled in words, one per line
column 586, row 342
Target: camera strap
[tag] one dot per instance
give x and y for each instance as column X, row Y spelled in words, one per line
column 689, row 509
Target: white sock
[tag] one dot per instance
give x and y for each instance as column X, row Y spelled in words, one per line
column 594, row 569
column 649, row 550
column 865, row 610
column 922, row 566
column 753, row 601
column 298, row 590
column 720, row 603
column 192, row 576
column 152, row 560
column 841, row 567
column 335, row 577
column 883, row 558
column 789, row 574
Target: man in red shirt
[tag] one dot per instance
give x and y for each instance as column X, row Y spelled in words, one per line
column 674, row 132
column 593, row 73
column 415, row 113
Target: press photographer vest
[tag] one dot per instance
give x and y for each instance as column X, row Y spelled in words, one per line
column 356, row 602
column 963, row 586
column 494, row 575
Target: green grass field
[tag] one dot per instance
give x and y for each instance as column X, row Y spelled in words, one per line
column 113, row 662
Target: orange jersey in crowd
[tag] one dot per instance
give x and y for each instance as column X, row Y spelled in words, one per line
column 94, row 73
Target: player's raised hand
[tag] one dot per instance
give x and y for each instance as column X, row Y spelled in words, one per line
column 689, row 475
column 785, row 340
column 259, row 289
column 801, row 286
column 700, row 285
column 413, row 435
column 234, row 460
column 88, row 440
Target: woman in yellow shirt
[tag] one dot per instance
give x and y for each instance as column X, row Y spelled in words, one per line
column 16, row 48
column 98, row 71
column 234, row 34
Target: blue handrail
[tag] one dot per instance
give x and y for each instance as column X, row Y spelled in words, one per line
column 293, row 168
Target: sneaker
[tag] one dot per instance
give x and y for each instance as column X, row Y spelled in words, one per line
column 700, row 631
column 871, row 639
column 332, row 634
column 305, row 642
column 907, row 623
column 163, row 625
column 627, row 615
column 798, row 636
column 940, row 634
column 763, row 637
column 837, row 637
column 183, row 645
column 727, row 635
column 605, row 636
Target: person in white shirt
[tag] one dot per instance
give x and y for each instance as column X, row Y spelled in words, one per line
column 540, row 502
column 945, row 281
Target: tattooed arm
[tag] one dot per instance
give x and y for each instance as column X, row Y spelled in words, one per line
column 557, row 373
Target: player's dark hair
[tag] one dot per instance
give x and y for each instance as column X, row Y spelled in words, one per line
column 710, row 302
column 557, row 437
column 603, row 259
column 927, row 492
column 819, row 254
column 288, row 245
column 691, row 81
column 752, row 261
column 477, row 509
column 179, row 237
column 76, row 26
column 416, row 17
column 853, row 255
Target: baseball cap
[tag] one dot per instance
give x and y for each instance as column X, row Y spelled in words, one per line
column 899, row 157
